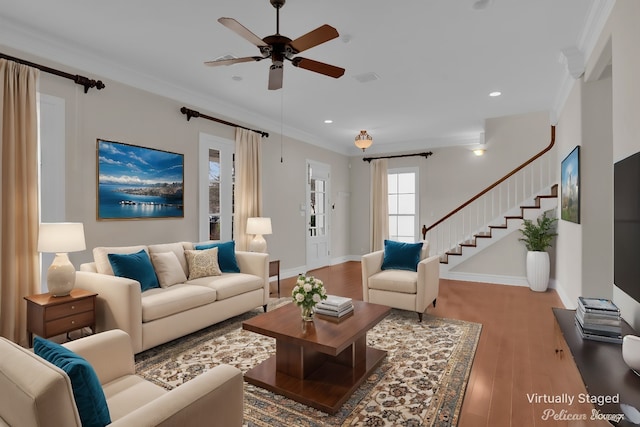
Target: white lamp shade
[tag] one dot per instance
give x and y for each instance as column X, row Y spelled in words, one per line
column 61, row 237
column 259, row 225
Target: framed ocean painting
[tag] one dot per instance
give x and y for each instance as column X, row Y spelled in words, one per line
column 570, row 187
column 138, row 183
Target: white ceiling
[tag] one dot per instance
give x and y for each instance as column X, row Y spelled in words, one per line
column 437, row 60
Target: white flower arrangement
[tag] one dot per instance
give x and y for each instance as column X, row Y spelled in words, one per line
column 308, row 291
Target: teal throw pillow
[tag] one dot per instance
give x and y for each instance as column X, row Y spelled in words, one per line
column 226, row 255
column 135, row 266
column 87, row 391
column 401, row 256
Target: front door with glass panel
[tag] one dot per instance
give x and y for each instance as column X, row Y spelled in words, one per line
column 318, row 236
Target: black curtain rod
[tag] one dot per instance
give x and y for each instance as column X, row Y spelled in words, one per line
column 425, row 155
column 193, row 113
column 81, row 80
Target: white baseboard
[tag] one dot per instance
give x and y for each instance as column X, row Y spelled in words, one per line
column 485, row 278
column 566, row 301
column 451, row 275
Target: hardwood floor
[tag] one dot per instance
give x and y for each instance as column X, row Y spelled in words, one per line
column 521, row 355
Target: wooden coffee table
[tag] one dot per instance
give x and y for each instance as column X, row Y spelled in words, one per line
column 319, row 363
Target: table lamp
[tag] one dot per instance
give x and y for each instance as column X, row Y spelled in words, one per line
column 259, row 227
column 61, row 238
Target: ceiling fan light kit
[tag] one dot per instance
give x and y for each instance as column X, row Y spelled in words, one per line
column 280, row 48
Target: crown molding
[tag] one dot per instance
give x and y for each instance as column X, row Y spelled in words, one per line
column 576, row 56
column 33, row 42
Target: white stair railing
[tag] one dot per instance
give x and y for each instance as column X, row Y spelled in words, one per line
column 489, row 207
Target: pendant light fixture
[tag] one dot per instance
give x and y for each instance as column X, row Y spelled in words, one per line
column 363, row 140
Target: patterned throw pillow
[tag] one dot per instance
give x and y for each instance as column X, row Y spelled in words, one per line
column 203, row 263
column 226, row 255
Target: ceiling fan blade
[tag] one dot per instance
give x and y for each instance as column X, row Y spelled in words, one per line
column 313, row 38
column 233, row 61
column 242, row 31
column 318, row 67
column 275, row 75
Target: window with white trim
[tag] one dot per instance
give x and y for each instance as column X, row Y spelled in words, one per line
column 403, row 204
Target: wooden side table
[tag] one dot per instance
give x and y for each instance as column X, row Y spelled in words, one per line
column 48, row 316
column 274, row 270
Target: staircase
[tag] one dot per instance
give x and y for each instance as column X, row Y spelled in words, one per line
column 511, row 221
column 497, row 211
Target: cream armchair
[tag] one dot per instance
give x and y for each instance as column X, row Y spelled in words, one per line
column 403, row 289
column 34, row 392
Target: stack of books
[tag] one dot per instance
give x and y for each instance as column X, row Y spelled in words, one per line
column 335, row 306
column 599, row 319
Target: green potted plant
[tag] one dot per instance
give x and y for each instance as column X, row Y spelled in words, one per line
column 537, row 237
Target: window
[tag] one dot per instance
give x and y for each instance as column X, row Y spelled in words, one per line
column 403, row 205
column 318, row 196
column 216, row 188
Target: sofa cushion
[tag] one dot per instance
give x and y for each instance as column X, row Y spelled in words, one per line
column 135, row 266
column 100, row 256
column 226, row 255
column 230, row 284
column 177, row 248
column 401, row 256
column 203, row 263
column 87, row 391
column 168, row 269
column 159, row 303
column 403, row 281
column 128, row 393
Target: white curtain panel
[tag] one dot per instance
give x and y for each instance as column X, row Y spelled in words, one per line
column 248, row 186
column 379, row 204
column 19, row 261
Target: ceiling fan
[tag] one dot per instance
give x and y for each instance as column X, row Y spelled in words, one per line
column 278, row 48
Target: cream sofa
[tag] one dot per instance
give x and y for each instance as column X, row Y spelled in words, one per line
column 35, row 393
column 159, row 315
column 406, row 290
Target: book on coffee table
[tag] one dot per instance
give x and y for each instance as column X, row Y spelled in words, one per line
column 333, row 318
column 335, row 313
column 335, row 303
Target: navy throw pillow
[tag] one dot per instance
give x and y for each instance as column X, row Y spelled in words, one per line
column 226, row 255
column 401, row 256
column 87, row 391
column 135, row 266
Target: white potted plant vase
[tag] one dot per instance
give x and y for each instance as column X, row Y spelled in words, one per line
column 537, row 237
column 538, row 270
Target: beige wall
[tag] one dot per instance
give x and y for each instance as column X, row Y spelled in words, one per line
column 601, row 109
column 129, row 115
column 618, row 42
column 445, row 184
column 585, row 256
column 284, row 192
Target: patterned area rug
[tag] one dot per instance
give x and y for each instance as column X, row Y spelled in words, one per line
column 420, row 383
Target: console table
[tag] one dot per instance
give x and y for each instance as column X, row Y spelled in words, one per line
column 601, row 365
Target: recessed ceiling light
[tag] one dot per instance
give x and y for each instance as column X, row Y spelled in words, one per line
column 496, row 93
column 328, row 121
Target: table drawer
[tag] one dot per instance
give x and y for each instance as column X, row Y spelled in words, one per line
column 68, row 309
column 69, row 323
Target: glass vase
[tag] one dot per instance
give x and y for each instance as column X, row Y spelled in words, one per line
column 307, row 313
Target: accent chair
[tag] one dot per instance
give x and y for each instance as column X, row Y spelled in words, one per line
column 389, row 278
